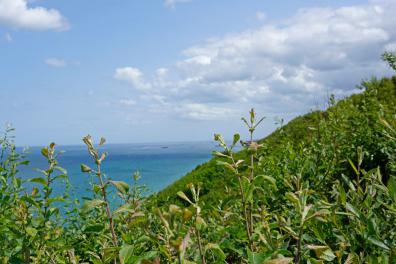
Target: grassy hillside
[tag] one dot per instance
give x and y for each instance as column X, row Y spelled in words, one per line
column 381, row 94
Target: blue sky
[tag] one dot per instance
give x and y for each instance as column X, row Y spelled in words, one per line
column 179, row 70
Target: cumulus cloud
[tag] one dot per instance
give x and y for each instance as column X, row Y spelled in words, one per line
column 17, row 14
column 283, row 67
column 132, row 76
column 55, row 62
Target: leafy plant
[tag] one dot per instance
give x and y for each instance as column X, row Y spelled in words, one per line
column 320, row 189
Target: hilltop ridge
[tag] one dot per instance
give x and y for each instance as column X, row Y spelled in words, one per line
column 298, row 131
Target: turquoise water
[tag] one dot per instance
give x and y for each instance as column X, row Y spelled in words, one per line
column 159, row 164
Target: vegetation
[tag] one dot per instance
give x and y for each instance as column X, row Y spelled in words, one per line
column 390, row 58
column 321, row 189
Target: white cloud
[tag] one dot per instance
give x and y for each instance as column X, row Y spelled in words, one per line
column 162, row 72
column 55, row 62
column 132, row 76
column 204, row 112
column 281, row 68
column 17, row 14
column 173, row 3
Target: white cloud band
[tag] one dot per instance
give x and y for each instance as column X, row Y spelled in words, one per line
column 283, row 67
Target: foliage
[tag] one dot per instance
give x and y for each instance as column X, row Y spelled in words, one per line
column 321, row 189
column 390, row 58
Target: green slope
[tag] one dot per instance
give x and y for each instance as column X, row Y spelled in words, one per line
column 378, row 95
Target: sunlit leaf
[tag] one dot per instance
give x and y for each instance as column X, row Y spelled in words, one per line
column 39, row 180
column 85, row 168
column 184, row 196
column 279, row 261
column 91, row 204
column 121, row 186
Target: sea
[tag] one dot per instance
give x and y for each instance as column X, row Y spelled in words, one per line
column 159, row 164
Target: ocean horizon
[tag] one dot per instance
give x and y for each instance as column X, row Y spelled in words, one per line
column 159, row 164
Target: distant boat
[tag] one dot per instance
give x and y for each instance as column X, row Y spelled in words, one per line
column 165, row 147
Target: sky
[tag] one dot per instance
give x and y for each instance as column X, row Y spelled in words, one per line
column 180, row 70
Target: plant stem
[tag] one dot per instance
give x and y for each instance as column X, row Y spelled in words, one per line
column 46, row 193
column 245, row 214
column 298, row 254
column 108, row 212
column 200, row 246
column 251, row 177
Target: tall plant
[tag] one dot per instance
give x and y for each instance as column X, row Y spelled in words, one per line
column 98, row 158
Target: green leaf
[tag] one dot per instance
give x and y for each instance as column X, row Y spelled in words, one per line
column 279, row 261
column 305, row 212
column 41, row 171
column 147, row 256
column 257, row 258
column 39, row 180
column 360, row 155
column 378, row 243
column 226, row 165
column 293, row 198
column 392, row 188
column 252, row 116
column 31, row 231
column 290, row 231
column 323, row 252
column 52, row 145
column 328, row 255
column 315, row 261
column 216, row 250
column 219, row 138
column 30, row 200
column 348, row 181
column 351, row 259
column 353, row 167
column 235, row 139
column 266, row 178
column 60, row 176
column 25, row 162
column 245, row 121
column 200, row 222
column 184, row 196
column 90, row 204
column 44, row 152
column 219, row 154
column 63, row 170
column 85, row 168
column 352, row 209
column 342, row 194
column 96, row 188
column 121, row 186
column 96, row 228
